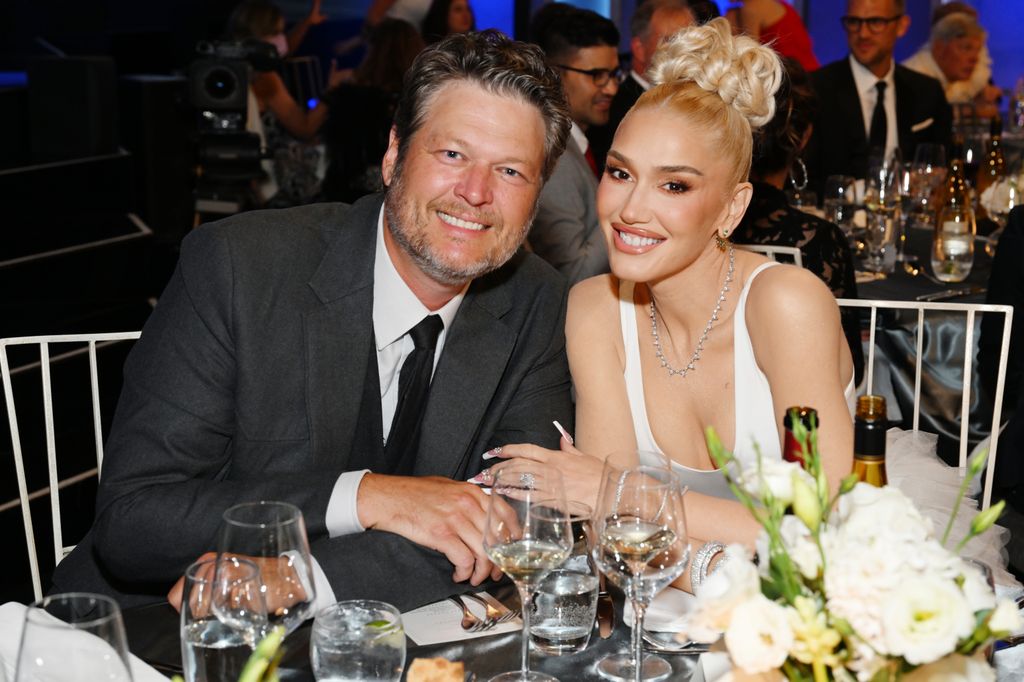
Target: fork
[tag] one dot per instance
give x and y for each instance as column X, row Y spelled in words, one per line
column 470, row 623
column 494, row 614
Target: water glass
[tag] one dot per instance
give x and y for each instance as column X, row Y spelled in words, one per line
column 565, row 604
column 841, row 201
column 953, row 245
column 358, row 640
column 73, row 636
column 273, row 535
column 223, row 617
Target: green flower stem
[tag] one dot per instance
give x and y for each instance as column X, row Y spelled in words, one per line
column 974, row 467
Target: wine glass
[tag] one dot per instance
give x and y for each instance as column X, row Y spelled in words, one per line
column 882, row 201
column 527, row 534
column 273, row 535
column 223, row 617
column 642, row 546
column 73, row 636
column 841, row 201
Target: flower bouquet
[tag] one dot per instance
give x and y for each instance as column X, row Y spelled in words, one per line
column 851, row 586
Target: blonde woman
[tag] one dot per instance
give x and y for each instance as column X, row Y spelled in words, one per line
column 687, row 331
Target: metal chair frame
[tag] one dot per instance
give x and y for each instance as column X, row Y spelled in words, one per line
column 43, row 342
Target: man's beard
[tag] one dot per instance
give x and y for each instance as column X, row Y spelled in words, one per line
column 411, row 233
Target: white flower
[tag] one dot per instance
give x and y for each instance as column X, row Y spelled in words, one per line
column 870, row 512
column 976, row 590
column 776, row 476
column 953, row 668
column 925, row 618
column 759, row 637
column 800, row 546
column 733, row 583
column 1005, row 619
column 998, row 198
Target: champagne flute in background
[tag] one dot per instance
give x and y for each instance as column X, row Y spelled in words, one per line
column 527, row 534
column 841, row 201
column 273, row 535
column 882, row 201
column 642, row 547
column 223, row 617
column 73, row 636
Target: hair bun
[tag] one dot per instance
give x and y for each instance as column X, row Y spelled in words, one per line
column 742, row 71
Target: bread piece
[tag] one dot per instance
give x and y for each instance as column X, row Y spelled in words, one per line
column 435, row 670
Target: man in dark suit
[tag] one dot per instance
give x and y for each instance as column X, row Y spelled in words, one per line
column 275, row 365
column 652, row 21
column 853, row 119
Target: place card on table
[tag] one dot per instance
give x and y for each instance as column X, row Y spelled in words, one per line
column 441, row 622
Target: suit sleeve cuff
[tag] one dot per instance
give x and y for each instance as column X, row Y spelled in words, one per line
column 342, row 516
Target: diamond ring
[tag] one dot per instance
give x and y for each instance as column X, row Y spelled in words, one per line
column 527, row 480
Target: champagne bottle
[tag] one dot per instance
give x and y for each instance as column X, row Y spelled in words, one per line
column 870, row 425
column 993, row 167
column 953, row 247
column 793, row 449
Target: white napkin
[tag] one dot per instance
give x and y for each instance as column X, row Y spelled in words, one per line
column 441, row 622
column 12, row 620
column 666, row 612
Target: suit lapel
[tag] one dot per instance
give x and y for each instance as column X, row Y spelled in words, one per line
column 904, row 109
column 339, row 333
column 471, row 367
column 849, row 103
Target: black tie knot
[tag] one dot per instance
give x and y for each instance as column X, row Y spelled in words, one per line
column 424, row 334
column 880, row 86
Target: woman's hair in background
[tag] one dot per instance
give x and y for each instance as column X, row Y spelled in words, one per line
column 392, row 46
column 253, row 19
column 722, row 83
column 780, row 140
column 435, row 22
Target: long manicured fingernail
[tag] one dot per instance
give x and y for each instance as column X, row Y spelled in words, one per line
column 491, row 454
column 565, row 434
column 483, row 478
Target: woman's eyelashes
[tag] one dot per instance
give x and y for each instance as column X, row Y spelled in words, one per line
column 676, row 186
column 673, row 186
column 616, row 173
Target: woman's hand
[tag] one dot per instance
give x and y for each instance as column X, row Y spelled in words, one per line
column 581, row 473
column 315, row 16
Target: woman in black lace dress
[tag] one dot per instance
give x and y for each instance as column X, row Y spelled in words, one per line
column 771, row 220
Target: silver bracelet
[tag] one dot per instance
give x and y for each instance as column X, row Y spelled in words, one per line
column 701, row 561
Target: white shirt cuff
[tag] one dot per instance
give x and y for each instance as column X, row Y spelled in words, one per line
column 342, row 516
column 324, row 592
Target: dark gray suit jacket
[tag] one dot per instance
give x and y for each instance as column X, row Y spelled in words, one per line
column 839, row 143
column 247, row 382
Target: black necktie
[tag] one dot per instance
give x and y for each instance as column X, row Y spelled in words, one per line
column 879, row 126
column 413, row 388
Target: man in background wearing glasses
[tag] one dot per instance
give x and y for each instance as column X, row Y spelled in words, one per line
column 868, row 102
column 583, row 47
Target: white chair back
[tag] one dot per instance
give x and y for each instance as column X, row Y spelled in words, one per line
column 84, row 343
column 969, row 310
column 790, row 254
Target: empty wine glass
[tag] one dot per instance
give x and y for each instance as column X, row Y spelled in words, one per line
column 223, row 617
column 73, row 636
column 921, row 178
column 642, row 547
column 841, row 201
column 527, row 534
column 273, row 535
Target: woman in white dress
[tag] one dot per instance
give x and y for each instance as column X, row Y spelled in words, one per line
column 688, row 332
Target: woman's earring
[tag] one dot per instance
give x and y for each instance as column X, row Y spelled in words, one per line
column 720, row 240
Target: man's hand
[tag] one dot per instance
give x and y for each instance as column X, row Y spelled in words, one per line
column 279, row 576
column 444, row 515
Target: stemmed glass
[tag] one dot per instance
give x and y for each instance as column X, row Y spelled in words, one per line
column 882, row 201
column 273, row 535
column 841, row 201
column 642, row 547
column 527, row 534
column 73, row 636
column 223, row 617
column 920, row 180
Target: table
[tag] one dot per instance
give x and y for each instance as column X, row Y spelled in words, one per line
column 153, row 636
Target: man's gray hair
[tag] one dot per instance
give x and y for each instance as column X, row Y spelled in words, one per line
column 641, row 21
column 498, row 64
column 956, row 25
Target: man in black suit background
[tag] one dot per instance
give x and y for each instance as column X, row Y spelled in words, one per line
column 652, row 21
column 870, row 102
column 274, row 366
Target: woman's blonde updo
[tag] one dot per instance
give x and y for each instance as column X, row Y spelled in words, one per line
column 724, row 83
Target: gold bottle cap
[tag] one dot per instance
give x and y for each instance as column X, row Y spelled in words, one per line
column 871, row 407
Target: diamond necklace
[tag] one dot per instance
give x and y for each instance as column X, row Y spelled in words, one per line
column 672, row 371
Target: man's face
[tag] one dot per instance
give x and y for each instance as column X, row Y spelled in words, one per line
column 462, row 199
column 588, row 102
column 958, row 57
column 874, row 50
column 664, row 22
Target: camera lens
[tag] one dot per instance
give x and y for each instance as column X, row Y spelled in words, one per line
column 220, row 83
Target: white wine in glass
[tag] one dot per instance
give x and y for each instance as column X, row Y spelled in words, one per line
column 642, row 546
column 527, row 534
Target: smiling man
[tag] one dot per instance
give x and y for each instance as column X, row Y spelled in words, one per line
column 355, row 361
column 868, row 102
column 583, row 47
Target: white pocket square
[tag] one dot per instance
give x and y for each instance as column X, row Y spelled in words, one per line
column 918, row 127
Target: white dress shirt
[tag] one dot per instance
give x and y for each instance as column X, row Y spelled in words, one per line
column 865, row 82
column 644, row 83
column 579, row 137
column 396, row 310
